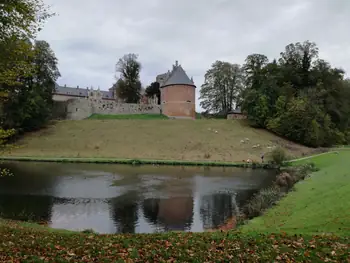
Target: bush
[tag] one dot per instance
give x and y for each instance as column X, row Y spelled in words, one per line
column 6, row 135
column 261, row 201
column 278, row 155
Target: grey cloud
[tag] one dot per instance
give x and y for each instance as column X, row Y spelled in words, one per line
column 89, row 36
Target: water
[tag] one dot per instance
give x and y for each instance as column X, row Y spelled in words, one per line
column 128, row 199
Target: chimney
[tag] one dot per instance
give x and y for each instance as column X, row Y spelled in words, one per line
column 65, row 85
column 176, row 63
column 78, row 87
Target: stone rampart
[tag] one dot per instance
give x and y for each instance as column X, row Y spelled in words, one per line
column 81, row 108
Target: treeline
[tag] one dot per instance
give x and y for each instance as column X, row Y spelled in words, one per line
column 299, row 96
column 28, row 68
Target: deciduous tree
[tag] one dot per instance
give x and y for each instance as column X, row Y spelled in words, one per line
column 30, row 103
column 129, row 87
column 300, row 97
column 20, row 21
column 223, row 83
column 153, row 90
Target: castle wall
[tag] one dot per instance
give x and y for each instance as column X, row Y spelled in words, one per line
column 60, row 97
column 81, row 108
column 179, row 101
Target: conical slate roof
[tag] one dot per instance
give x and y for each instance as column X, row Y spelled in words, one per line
column 177, row 77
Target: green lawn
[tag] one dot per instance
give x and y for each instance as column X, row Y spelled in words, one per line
column 319, row 204
column 127, row 117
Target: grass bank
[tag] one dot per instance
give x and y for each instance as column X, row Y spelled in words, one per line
column 319, row 205
column 137, row 162
column 128, row 117
column 184, row 140
column 35, row 244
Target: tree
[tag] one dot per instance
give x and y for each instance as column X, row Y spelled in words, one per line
column 222, row 85
column 30, row 103
column 129, row 88
column 297, row 61
column 20, row 21
column 300, row 97
column 153, row 90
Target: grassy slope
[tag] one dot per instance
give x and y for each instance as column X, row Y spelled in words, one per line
column 190, row 140
column 320, row 204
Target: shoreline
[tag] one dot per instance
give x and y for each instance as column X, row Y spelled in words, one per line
column 138, row 162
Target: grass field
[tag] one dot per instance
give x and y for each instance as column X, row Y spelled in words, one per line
column 128, row 117
column 190, row 140
column 320, row 204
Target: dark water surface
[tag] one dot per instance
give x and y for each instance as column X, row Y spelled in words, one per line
column 127, row 199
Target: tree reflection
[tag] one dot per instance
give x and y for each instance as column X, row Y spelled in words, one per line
column 29, row 207
column 216, row 209
column 124, row 212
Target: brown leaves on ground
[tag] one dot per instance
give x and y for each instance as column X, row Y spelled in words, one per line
column 33, row 245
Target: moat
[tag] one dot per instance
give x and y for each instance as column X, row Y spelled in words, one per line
column 127, row 199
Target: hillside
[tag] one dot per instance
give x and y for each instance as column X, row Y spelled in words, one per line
column 199, row 140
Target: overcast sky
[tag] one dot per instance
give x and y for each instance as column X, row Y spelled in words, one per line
column 89, row 36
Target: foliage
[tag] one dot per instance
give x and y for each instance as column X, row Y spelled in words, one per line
column 261, row 201
column 222, row 85
column 24, row 243
column 129, row 85
column 300, row 96
column 153, row 90
column 20, row 21
column 5, row 135
column 278, row 155
column 29, row 104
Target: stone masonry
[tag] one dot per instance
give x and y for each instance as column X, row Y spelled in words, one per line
column 78, row 109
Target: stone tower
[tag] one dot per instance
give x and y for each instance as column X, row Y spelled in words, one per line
column 178, row 93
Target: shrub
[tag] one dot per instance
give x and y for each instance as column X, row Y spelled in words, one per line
column 207, row 155
column 6, row 135
column 278, row 155
column 261, row 201
column 285, row 180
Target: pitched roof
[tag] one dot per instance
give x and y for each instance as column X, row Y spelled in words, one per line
column 79, row 92
column 177, row 76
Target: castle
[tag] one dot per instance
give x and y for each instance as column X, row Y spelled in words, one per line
column 177, row 99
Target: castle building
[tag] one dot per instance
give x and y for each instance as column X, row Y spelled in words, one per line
column 178, row 93
column 177, row 97
column 64, row 93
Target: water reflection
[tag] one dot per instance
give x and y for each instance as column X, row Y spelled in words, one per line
column 126, row 199
column 124, row 211
column 170, row 214
column 217, row 209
